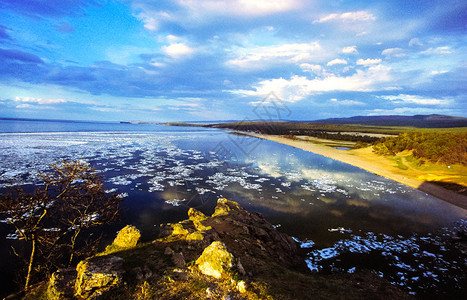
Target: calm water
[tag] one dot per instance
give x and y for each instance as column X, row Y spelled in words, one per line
column 344, row 218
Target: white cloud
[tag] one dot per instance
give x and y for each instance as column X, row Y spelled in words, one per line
column 395, row 52
column 347, row 102
column 259, row 57
column 438, row 51
column 350, row 49
column 438, row 72
column 39, row 100
column 415, row 42
column 172, row 38
column 415, row 99
column 299, row 87
column 239, row 7
column 24, row 106
column 348, row 16
column 337, row 61
column 178, row 50
column 368, row 61
column 151, row 18
column 105, row 109
column 408, row 111
column 311, row 68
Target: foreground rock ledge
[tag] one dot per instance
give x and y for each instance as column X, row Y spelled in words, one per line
column 233, row 254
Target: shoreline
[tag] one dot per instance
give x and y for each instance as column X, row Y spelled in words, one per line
column 368, row 161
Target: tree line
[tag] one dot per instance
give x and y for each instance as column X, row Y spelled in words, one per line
column 323, row 131
column 436, row 147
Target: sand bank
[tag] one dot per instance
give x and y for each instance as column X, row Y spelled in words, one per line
column 380, row 165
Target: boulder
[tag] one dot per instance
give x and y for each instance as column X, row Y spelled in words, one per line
column 98, row 275
column 127, row 238
column 215, row 260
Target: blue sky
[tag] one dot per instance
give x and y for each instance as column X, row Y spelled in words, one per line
column 217, row 60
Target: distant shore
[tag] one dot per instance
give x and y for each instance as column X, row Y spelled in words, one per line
column 367, row 160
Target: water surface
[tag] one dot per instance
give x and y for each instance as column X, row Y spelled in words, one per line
column 344, row 217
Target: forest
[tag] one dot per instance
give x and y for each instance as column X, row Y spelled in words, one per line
column 436, row 147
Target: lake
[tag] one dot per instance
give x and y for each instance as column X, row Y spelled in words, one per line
column 343, row 217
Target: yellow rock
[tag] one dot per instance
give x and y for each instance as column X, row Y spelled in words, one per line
column 127, row 237
column 215, row 260
column 96, row 276
column 178, row 229
column 224, row 206
column 198, row 236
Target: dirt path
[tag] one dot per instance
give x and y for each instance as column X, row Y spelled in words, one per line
column 367, row 160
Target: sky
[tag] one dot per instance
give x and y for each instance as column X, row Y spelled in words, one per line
column 194, row 60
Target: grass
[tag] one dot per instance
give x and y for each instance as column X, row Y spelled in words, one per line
column 400, row 164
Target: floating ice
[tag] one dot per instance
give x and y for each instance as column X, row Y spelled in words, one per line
column 340, row 230
column 175, row 202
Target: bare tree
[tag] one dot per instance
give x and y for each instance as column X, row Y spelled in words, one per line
column 53, row 218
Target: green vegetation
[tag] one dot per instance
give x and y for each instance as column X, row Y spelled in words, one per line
column 436, row 147
column 352, row 133
column 400, row 164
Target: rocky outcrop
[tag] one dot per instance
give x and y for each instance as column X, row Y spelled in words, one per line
column 98, row 275
column 232, row 254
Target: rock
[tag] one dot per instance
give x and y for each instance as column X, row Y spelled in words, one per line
column 215, row 260
column 98, row 275
column 179, row 260
column 197, row 217
column 61, row 284
column 127, row 237
column 195, row 236
column 224, row 206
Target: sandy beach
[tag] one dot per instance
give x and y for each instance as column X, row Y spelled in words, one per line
column 365, row 159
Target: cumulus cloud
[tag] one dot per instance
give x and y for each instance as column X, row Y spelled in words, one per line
column 337, row 61
column 361, row 15
column 394, row 52
column 151, row 18
column 154, row 14
column 438, row 51
column 288, row 53
column 299, row 87
column 39, row 100
column 350, row 50
column 415, row 42
column 311, row 68
column 415, row 99
column 368, row 61
column 347, row 102
column 178, row 50
column 240, row 7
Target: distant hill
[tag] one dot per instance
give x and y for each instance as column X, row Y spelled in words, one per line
column 419, row 121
